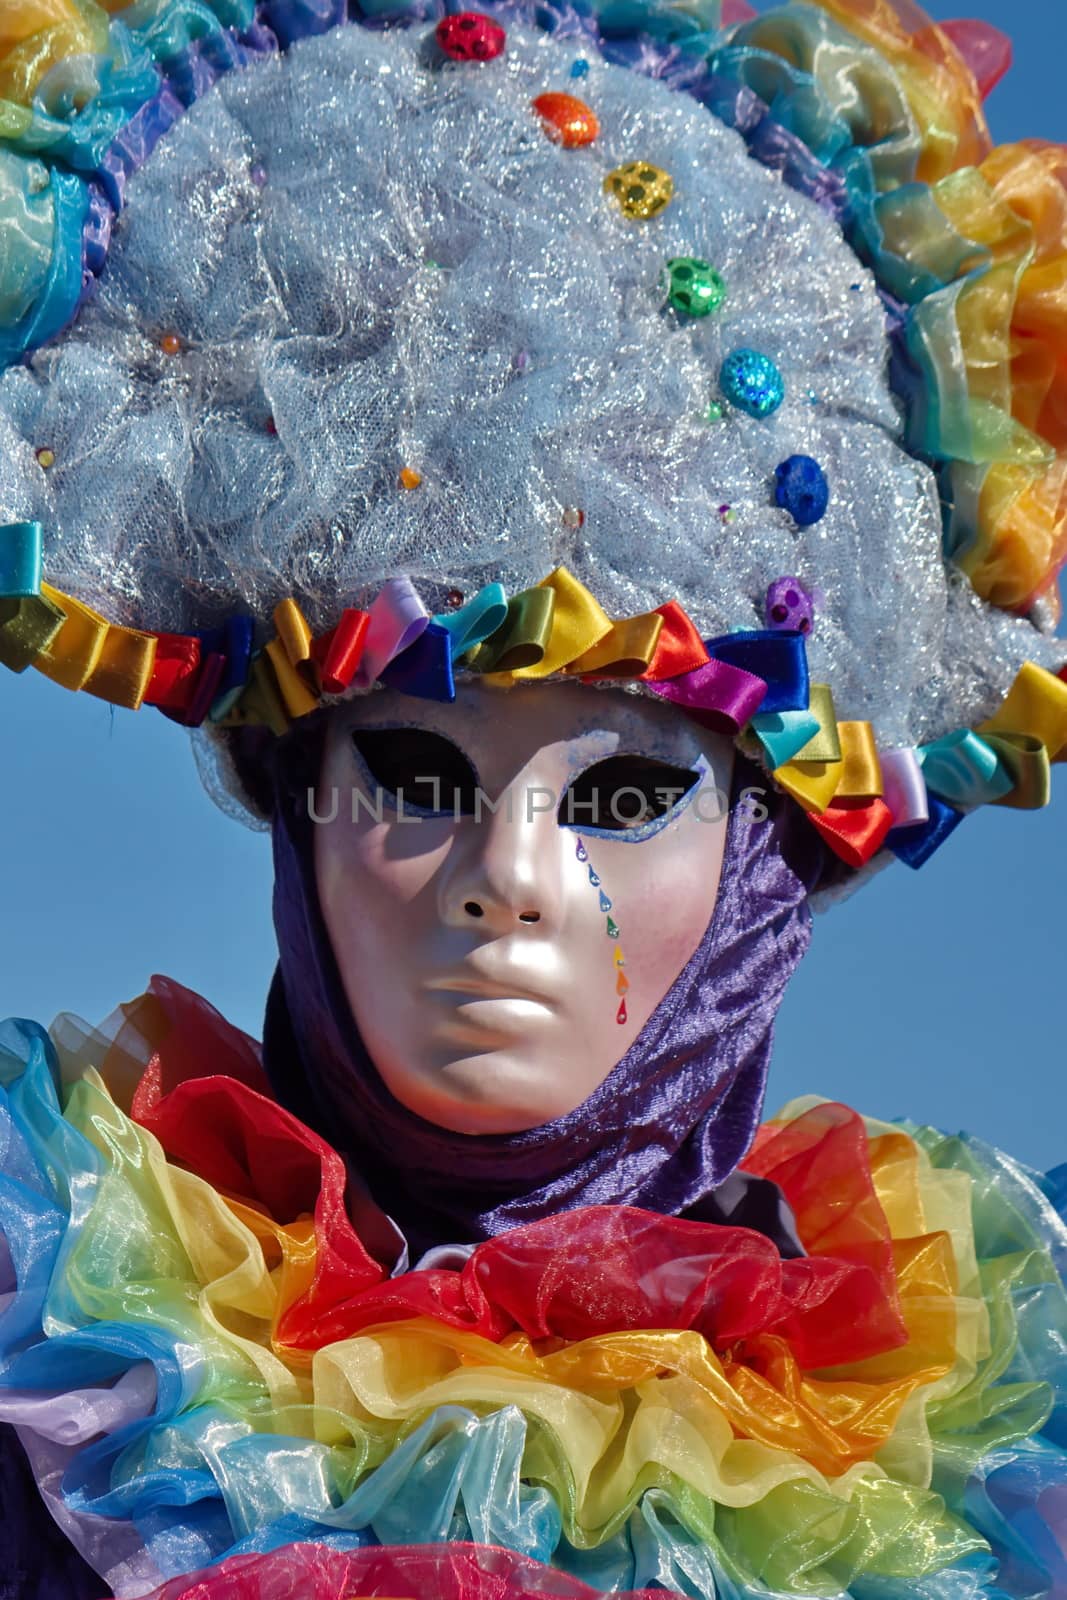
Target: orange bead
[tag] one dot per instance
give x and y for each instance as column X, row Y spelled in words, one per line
column 566, row 120
column 170, row 344
column 409, row 478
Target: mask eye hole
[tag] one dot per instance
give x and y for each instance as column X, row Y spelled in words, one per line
column 624, row 792
column 423, row 771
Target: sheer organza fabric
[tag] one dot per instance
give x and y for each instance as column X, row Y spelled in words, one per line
column 626, row 1397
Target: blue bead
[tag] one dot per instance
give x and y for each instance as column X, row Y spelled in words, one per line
column 580, row 68
column 800, row 487
column 21, row 544
column 752, row 383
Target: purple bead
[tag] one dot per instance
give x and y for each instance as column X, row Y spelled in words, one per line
column 790, row 607
column 258, row 175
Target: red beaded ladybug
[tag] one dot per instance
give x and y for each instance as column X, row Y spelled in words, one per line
column 470, row 36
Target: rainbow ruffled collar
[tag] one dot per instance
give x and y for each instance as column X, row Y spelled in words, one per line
column 199, row 1329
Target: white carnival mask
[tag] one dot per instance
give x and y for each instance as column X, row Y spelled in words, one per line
column 509, row 897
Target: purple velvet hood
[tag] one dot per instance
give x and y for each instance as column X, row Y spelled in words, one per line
column 664, row 1130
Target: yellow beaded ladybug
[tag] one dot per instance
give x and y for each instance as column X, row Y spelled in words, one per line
column 641, row 189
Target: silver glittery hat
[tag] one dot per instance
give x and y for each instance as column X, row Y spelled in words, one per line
column 397, row 327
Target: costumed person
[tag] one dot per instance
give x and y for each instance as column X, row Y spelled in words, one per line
column 593, row 477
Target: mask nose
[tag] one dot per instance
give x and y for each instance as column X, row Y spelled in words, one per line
column 474, row 908
column 504, row 872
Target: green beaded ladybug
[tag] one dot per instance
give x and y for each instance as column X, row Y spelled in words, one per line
column 693, row 286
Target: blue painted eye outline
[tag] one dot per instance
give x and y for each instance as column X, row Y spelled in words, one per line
column 641, row 831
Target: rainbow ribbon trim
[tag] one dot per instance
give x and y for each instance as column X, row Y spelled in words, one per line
column 230, row 1372
column 754, row 684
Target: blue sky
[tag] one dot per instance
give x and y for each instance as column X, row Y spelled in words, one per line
column 930, row 995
